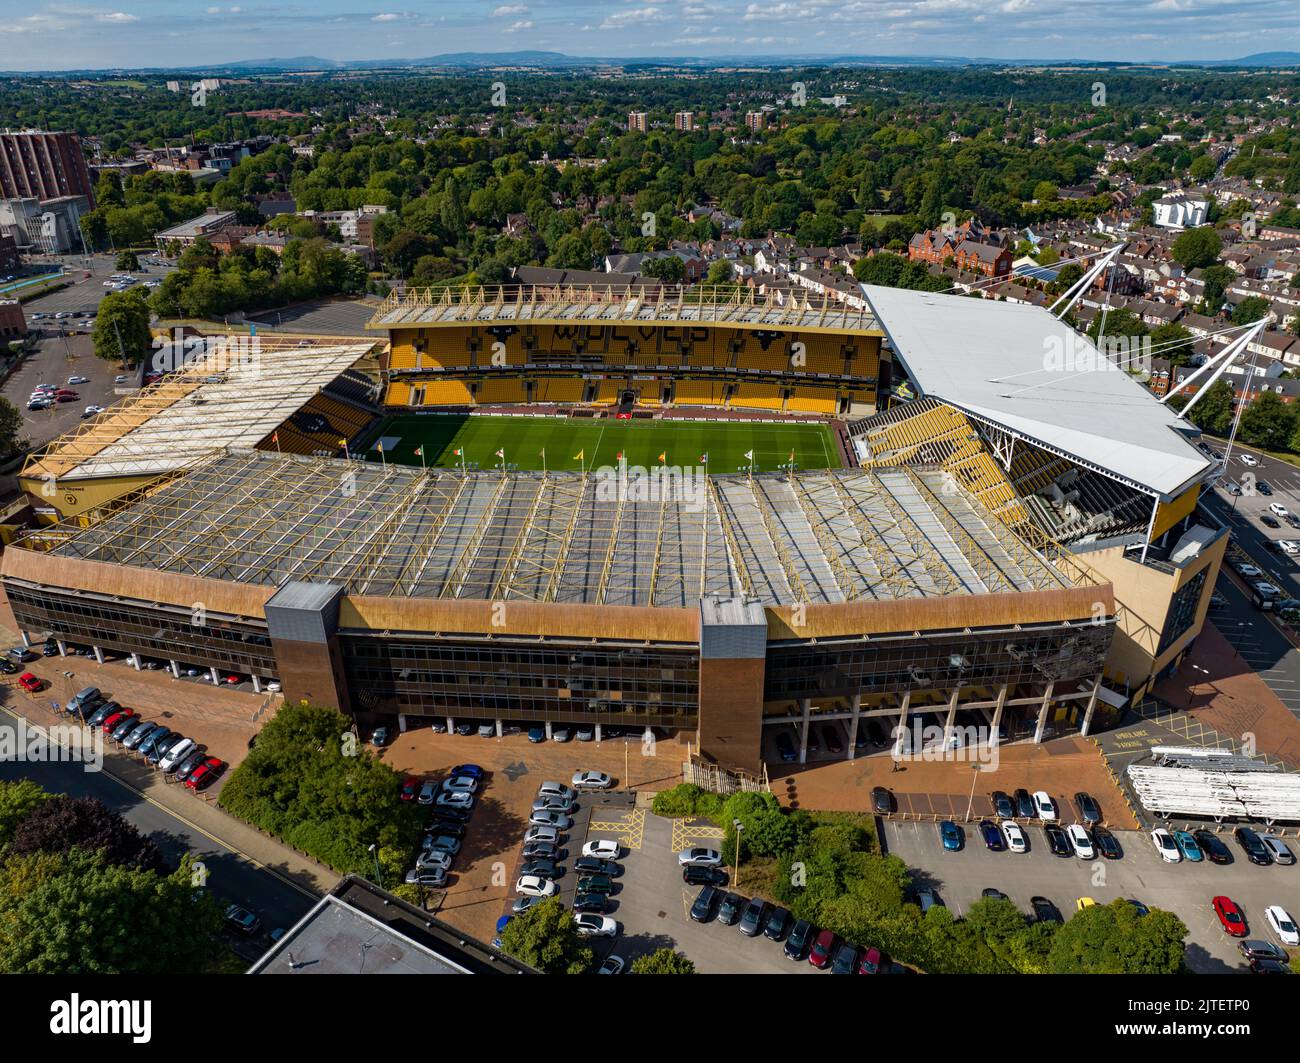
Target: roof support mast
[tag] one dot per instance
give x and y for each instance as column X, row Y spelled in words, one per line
column 1224, row 359
column 1071, row 295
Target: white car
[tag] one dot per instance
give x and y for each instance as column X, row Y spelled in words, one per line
column 1082, row 843
column 461, row 784
column 433, row 858
column 1045, row 806
column 554, row 789
column 591, row 780
column 428, row 791
column 176, row 754
column 543, row 818
column 535, row 886
column 612, row 965
column 73, row 380
column 699, row 857
column 91, row 411
column 1166, row 846
column 601, row 926
column 455, row 799
column 119, row 379
column 1283, row 925
column 1249, row 459
column 601, row 849
column 543, row 834
column 1015, row 837
column 1277, row 509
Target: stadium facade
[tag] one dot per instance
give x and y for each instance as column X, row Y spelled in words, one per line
column 1022, row 564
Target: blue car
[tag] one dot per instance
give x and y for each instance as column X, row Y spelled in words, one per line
column 993, row 839
column 1188, row 847
column 501, row 925
column 785, row 747
column 472, row 771
column 536, row 734
column 950, row 833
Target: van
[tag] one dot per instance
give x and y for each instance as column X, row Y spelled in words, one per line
column 83, row 699
column 1277, row 848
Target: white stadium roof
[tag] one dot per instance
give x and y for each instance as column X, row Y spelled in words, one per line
column 1018, row 367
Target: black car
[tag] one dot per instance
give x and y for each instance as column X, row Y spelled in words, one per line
column 1106, row 843
column 595, row 903
column 1269, row 521
column 464, row 729
column 1002, row 806
column 991, row 894
column 7, row 667
column 702, row 909
column 242, row 921
column 1268, row 967
column 1256, row 851
column 125, row 728
column 704, row 876
column 1089, row 810
column 1025, row 804
column 875, row 732
column 50, row 649
column 1044, row 910
column 456, row 815
column 191, row 762
column 591, row 865
column 845, row 959
column 882, row 801
column 1058, row 842
column 1214, row 849
column 151, row 740
column 777, row 923
column 1263, row 487
column 755, row 914
column 730, row 908
column 800, row 940
column 449, row 828
column 1256, row 949
column 541, row 868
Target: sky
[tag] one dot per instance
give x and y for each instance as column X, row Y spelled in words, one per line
column 179, row 33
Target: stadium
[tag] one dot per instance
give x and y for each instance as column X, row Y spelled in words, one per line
column 728, row 515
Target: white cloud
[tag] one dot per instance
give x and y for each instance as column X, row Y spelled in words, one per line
column 522, row 24
column 638, row 15
column 117, row 16
column 508, row 10
column 387, row 16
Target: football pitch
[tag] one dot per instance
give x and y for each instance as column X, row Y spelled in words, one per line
column 565, row 443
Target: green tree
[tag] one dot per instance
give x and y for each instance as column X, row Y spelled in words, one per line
column 1216, row 278
column 1267, row 422
column 17, row 800
column 1249, row 310
column 1115, row 939
column 1173, row 342
column 1196, row 248
column 1213, row 412
column 129, row 261
column 122, row 327
column 545, row 937
column 663, row 961
column 670, row 269
column 11, row 423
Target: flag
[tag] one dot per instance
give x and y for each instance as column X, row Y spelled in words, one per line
column 749, row 455
column 275, row 438
column 792, row 457
column 580, row 455
column 459, row 452
column 419, row 451
column 380, row 446
column 502, row 454
column 342, row 442
column 619, row 456
column 704, row 458
column 542, row 453
column 664, row 456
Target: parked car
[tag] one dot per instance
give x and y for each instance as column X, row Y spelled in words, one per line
column 1212, row 846
column 1044, row 910
column 542, row 834
column 823, row 948
column 31, row 683
column 139, row 733
column 751, row 921
column 591, row 780
column 730, row 908
column 1281, row 923
column 612, row 965
column 1015, row 837
column 785, row 747
column 695, row 875
column 1002, row 805
column 163, row 746
column 541, row 868
column 1089, row 810
column 533, row 886
column 541, row 851
column 799, row 942
column 776, row 924
column 1277, row 849
column 1024, row 804
column 845, row 959
column 543, row 818
column 1165, row 846
column 591, row 902
column 872, row 962
column 430, row 877
column 242, row 921
column 698, row 855
column 428, row 792
column 602, row 849
column 596, row 884
column 591, row 865
column 410, row 787
column 1256, row 851
column 1230, row 916
column 555, row 789
column 460, row 784
column 951, row 836
column 1107, row 844
column 471, row 771
column 176, row 754
column 703, row 908
column 1044, row 806
column 882, row 801
column 152, row 739
column 111, row 723
column 1258, row 949
column 1080, row 841
column 993, row 840
column 536, row 734
column 205, row 774
column 454, row 799
column 595, row 925
column 1187, row 846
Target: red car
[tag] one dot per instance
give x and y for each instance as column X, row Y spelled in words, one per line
column 233, row 680
column 409, row 787
column 203, row 776
column 117, row 718
column 1230, row 917
column 871, row 961
column 31, row 683
column 823, row 949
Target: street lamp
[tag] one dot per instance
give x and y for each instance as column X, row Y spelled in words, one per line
column 970, row 801
column 379, row 878
column 739, row 829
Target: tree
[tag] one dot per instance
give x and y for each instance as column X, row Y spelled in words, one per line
column 545, row 937
column 1249, row 310
column 1267, row 422
column 129, row 261
column 405, row 249
column 1196, row 248
column 1173, row 342
column 77, row 913
column 1216, row 278
column 1213, row 412
column 62, row 823
column 122, row 327
column 669, row 269
column 1115, row 939
column 719, row 273
column 17, row 800
column 11, row 423
column 663, row 961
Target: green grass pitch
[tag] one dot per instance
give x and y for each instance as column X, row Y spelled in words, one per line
column 599, row 441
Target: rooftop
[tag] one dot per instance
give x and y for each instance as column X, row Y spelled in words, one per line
column 236, row 394
column 1019, row 368
column 601, row 304
column 822, row 537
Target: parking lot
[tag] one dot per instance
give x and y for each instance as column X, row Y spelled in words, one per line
column 55, row 361
column 85, row 293
column 1184, row 889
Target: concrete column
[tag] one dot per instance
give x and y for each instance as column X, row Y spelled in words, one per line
column 951, row 717
column 805, row 706
column 99, row 655
column 900, row 728
column 401, row 722
column 1092, row 704
column 1042, row 713
column 63, row 647
column 853, row 725
column 176, row 669
column 501, row 726
column 212, row 673
column 27, row 639
column 997, row 712
column 548, row 730
column 597, row 732
column 257, row 683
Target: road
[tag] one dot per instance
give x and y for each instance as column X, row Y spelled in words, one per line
column 232, row 876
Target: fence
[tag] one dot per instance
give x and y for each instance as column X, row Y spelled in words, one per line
column 720, row 781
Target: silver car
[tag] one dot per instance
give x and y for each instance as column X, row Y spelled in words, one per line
column 553, row 804
column 542, row 817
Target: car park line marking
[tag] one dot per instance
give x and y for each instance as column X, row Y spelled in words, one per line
column 684, row 836
column 629, row 831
